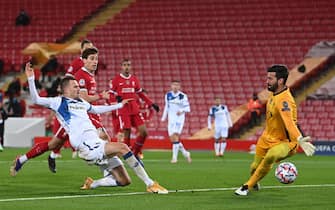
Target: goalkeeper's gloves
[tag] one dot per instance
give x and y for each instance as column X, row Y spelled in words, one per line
column 156, row 107
column 304, row 143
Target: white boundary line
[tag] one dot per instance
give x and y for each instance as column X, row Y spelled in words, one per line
column 170, row 191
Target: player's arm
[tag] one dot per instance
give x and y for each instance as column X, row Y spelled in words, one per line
column 285, row 110
column 165, row 112
column 209, row 119
column 113, row 90
column 144, row 97
column 43, row 101
column 228, row 117
column 98, row 109
column 185, row 105
column 92, row 98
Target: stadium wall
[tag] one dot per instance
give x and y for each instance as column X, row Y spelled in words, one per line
column 165, row 144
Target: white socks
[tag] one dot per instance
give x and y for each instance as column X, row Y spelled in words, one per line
column 53, row 155
column 23, row 159
column 183, row 150
column 108, row 181
column 223, row 147
column 175, row 150
column 217, row 148
column 220, row 148
column 137, row 168
column 176, row 147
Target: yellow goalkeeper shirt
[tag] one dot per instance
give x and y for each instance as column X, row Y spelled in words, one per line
column 281, row 119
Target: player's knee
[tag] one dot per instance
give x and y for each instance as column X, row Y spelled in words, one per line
column 103, row 136
column 123, row 148
column 55, row 143
column 124, row 182
column 143, row 133
column 270, row 158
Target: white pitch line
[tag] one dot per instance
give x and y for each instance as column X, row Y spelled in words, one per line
column 170, row 191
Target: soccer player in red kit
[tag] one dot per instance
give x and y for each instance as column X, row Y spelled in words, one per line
column 59, row 132
column 126, row 86
column 78, row 62
column 88, row 91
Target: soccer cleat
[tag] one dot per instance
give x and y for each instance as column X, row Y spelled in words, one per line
column 256, row 187
column 173, row 161
column 87, row 184
column 243, row 190
column 188, row 158
column 16, row 166
column 156, row 188
column 52, row 164
column 1, row 148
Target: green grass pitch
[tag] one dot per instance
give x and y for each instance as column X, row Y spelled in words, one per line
column 207, row 183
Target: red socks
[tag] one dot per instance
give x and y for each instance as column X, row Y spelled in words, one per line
column 138, row 144
column 37, row 150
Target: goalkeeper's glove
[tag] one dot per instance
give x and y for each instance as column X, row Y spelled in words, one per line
column 304, row 143
column 156, row 107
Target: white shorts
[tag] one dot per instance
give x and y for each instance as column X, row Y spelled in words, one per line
column 92, row 149
column 221, row 132
column 175, row 127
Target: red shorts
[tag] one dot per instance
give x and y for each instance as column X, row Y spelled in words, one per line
column 128, row 121
column 59, row 131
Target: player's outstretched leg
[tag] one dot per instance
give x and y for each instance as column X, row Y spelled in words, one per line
column 37, row 150
column 114, row 148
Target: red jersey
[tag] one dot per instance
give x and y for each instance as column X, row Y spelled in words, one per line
column 75, row 66
column 128, row 87
column 87, row 82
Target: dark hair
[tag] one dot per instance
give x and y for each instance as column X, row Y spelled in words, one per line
column 175, row 81
column 281, row 71
column 125, row 60
column 85, row 41
column 65, row 82
column 88, row 52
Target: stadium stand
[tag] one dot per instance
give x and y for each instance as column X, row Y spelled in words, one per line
column 49, row 22
column 216, row 47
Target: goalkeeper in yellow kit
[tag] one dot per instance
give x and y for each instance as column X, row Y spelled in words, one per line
column 281, row 136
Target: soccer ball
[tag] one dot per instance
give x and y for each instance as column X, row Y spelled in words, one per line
column 286, row 172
